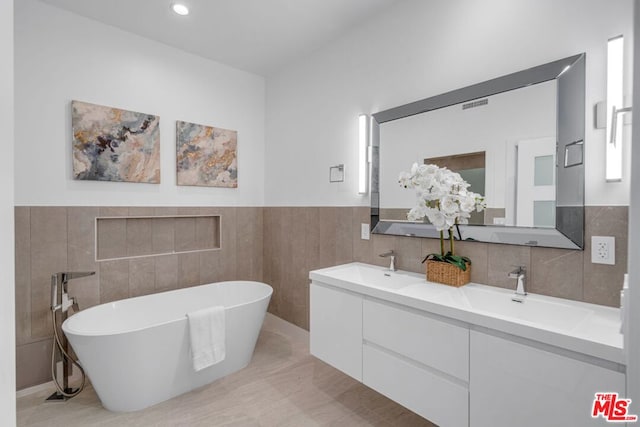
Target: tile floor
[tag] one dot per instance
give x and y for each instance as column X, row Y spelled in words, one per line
column 283, row 386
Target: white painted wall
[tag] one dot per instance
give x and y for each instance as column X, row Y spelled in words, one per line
column 61, row 56
column 7, row 291
column 420, row 49
column 632, row 337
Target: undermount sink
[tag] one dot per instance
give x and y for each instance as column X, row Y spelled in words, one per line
column 534, row 309
column 377, row 277
column 548, row 312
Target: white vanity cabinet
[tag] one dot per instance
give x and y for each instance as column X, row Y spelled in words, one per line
column 514, row 384
column 430, row 348
column 336, row 328
column 417, row 360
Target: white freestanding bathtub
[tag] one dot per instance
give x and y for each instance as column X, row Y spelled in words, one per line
column 136, row 351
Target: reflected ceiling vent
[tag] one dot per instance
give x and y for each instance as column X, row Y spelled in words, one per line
column 474, row 104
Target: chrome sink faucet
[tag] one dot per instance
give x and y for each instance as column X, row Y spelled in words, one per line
column 392, row 256
column 519, row 274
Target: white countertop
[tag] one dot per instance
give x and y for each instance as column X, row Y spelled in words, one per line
column 590, row 329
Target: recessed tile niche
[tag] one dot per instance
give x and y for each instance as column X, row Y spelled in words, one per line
column 141, row 236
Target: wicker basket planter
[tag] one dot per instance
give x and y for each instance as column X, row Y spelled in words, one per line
column 448, row 274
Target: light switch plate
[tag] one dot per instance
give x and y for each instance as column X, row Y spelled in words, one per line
column 364, row 232
column 603, row 250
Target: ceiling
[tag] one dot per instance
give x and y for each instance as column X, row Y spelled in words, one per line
column 259, row 36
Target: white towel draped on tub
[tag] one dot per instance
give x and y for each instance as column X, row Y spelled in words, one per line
column 207, row 333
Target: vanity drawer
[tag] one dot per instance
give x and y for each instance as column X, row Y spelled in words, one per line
column 429, row 395
column 534, row 386
column 336, row 328
column 437, row 344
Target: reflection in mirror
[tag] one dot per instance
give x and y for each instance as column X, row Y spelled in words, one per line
column 502, row 136
column 472, row 168
column 513, row 130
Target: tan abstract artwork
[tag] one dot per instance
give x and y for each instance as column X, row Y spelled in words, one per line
column 110, row 144
column 206, row 156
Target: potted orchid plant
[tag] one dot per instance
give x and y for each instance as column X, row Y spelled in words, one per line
column 443, row 197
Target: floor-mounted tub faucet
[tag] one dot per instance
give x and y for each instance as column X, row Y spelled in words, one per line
column 519, row 275
column 392, row 256
column 60, row 301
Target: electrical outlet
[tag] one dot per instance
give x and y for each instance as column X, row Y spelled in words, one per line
column 603, row 250
column 364, row 232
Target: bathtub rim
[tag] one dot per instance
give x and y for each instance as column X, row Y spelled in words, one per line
column 66, row 329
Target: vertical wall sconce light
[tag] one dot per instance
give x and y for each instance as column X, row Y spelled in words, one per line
column 363, row 153
column 615, row 107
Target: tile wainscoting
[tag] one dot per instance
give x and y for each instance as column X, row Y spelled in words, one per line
column 53, row 239
column 300, row 239
column 277, row 245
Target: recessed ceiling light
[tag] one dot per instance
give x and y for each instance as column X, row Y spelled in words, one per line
column 180, row 9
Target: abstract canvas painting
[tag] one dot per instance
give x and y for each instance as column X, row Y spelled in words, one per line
column 206, row 156
column 110, row 144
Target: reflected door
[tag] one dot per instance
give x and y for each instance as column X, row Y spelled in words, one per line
column 536, row 183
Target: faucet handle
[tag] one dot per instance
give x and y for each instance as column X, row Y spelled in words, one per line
column 387, row 254
column 65, row 276
column 70, row 275
column 520, row 270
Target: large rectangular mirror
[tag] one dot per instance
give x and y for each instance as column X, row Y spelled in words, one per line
column 517, row 139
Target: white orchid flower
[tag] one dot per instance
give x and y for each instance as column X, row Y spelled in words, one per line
column 442, row 196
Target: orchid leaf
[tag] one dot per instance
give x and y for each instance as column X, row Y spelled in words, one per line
column 436, row 257
column 458, row 261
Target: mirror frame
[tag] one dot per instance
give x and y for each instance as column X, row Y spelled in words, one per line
column 570, row 125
